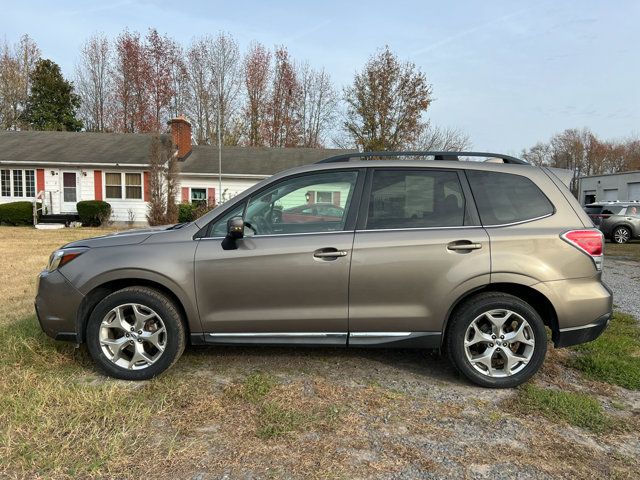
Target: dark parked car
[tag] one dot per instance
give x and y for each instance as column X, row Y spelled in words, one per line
column 618, row 221
column 474, row 258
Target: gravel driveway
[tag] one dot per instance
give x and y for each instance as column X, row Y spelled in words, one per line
column 623, row 277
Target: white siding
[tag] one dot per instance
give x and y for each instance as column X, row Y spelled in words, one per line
column 122, row 209
column 230, row 186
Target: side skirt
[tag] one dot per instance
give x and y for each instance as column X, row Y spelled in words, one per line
column 428, row 340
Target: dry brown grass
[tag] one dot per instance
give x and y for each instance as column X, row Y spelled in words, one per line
column 25, row 252
column 629, row 250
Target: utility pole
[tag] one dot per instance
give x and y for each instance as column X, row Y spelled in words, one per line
column 219, row 153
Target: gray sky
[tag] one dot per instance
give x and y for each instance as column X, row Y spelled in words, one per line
column 508, row 73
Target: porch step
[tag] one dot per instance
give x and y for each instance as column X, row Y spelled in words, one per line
column 49, row 226
column 64, row 218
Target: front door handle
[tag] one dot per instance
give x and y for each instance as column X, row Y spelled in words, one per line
column 329, row 253
column 455, row 246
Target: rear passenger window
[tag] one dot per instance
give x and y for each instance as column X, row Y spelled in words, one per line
column 415, row 199
column 506, row 198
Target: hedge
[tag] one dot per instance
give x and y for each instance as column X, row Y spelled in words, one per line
column 93, row 213
column 17, row 213
column 188, row 212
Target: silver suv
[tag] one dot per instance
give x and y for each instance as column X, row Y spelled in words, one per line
column 472, row 258
column 618, row 221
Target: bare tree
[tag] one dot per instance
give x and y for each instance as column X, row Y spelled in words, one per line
column 257, row 72
column 386, row 102
column 200, row 83
column 436, row 138
column 94, row 83
column 283, row 124
column 16, row 66
column 162, row 207
column 318, row 102
column 224, row 61
column 180, row 82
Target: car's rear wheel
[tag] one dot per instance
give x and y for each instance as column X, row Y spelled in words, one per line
column 621, row 235
column 135, row 333
column 496, row 340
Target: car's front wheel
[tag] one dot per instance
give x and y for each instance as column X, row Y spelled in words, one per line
column 135, row 333
column 497, row 340
column 621, row 235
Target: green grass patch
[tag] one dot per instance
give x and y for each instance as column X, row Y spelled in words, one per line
column 576, row 409
column 615, row 356
column 256, row 387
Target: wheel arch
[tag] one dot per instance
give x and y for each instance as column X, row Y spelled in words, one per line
column 97, row 293
column 537, row 300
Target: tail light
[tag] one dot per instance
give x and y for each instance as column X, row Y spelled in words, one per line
column 590, row 242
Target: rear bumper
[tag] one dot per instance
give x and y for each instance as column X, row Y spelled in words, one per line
column 576, row 335
column 583, row 307
column 56, row 306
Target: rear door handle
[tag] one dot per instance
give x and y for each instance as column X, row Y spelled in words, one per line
column 329, row 253
column 464, row 246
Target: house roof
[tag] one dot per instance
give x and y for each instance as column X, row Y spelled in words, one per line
column 251, row 160
column 131, row 149
column 75, row 147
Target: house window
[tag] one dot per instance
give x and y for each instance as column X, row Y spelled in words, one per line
column 199, row 196
column 324, row 197
column 133, row 183
column 113, row 185
column 30, row 182
column 17, row 183
column 5, row 179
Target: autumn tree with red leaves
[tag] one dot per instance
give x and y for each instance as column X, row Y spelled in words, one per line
column 257, row 73
column 283, row 123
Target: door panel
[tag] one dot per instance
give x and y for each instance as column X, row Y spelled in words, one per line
column 275, row 283
column 406, row 280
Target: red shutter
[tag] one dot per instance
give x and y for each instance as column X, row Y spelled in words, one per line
column 146, row 186
column 211, row 196
column 185, row 194
column 97, row 184
column 336, row 199
column 39, row 180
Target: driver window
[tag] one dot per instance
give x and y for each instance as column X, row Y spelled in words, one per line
column 309, row 203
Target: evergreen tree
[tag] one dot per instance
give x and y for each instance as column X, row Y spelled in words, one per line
column 52, row 104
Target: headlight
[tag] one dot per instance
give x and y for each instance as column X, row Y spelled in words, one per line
column 63, row 256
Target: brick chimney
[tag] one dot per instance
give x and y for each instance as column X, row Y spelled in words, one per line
column 181, row 135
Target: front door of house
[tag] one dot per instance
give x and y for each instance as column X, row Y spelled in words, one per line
column 69, row 192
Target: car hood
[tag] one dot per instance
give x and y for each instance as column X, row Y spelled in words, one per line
column 126, row 237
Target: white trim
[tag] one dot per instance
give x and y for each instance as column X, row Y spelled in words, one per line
column 227, row 175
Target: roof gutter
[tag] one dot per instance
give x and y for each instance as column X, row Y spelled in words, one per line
column 228, row 175
column 75, row 164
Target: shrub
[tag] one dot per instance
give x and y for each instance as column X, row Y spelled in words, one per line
column 93, row 213
column 188, row 212
column 17, row 213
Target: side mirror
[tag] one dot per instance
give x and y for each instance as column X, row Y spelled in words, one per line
column 235, row 227
column 235, row 231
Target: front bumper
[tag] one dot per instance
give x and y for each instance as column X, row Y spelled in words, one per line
column 576, row 335
column 56, row 304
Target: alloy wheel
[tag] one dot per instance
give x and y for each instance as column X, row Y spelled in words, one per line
column 132, row 336
column 499, row 343
column 621, row 235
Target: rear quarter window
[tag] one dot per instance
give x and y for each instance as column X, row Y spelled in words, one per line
column 504, row 198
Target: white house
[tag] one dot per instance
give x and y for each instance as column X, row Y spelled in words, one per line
column 67, row 167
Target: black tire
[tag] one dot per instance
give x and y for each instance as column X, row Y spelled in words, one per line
column 174, row 341
column 474, row 307
column 621, row 235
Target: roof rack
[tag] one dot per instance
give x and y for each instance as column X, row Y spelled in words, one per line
column 451, row 156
